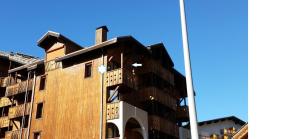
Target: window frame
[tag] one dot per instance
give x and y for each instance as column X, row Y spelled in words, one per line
column 90, row 63
column 44, row 77
column 41, row 114
column 37, row 132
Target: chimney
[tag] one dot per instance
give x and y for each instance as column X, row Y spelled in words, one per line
column 101, row 34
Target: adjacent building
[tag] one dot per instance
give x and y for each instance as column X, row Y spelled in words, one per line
column 220, row 128
column 242, row 133
column 9, row 61
column 116, row 88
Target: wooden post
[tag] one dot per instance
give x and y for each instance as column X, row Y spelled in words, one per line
column 121, row 60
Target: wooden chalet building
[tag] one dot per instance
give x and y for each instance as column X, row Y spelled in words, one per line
column 85, row 93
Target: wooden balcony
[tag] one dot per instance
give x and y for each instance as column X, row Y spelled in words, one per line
column 18, row 111
column 118, row 77
column 156, row 67
column 182, row 113
column 4, row 122
column 18, row 88
column 7, row 81
column 4, row 101
column 112, row 111
column 2, row 82
column 15, row 134
column 163, row 125
column 154, row 93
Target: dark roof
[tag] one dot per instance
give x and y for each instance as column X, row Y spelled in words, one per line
column 232, row 118
column 51, row 37
column 82, row 51
column 100, row 46
column 159, row 51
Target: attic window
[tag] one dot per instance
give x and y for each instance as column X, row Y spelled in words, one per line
column 88, row 70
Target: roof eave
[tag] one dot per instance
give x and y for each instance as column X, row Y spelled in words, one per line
column 26, row 66
column 48, row 33
column 57, row 36
column 88, row 49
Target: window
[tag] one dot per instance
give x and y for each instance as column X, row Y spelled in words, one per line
column 37, row 135
column 43, row 83
column 39, row 110
column 88, row 70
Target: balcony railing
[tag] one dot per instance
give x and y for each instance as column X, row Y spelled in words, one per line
column 154, row 93
column 7, row 81
column 15, row 134
column 163, row 125
column 182, row 113
column 2, row 82
column 4, row 122
column 18, row 111
column 119, row 76
column 112, row 111
column 19, row 88
column 4, row 101
column 158, row 69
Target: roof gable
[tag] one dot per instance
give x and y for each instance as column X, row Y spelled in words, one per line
column 160, row 52
column 51, row 37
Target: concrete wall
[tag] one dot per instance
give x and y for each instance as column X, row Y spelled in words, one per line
column 128, row 111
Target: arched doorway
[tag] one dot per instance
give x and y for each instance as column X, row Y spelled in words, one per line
column 112, row 131
column 133, row 130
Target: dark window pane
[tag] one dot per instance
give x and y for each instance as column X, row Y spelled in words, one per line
column 37, row 135
column 43, row 83
column 88, row 70
column 39, row 110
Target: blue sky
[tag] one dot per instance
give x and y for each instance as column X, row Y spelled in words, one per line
column 218, row 33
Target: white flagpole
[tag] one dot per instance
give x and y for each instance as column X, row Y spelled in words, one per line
column 188, row 72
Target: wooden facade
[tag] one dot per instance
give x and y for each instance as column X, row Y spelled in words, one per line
column 65, row 96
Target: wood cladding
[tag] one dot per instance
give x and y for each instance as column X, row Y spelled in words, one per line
column 113, row 111
column 57, row 50
column 4, row 101
column 2, row 82
column 158, row 95
column 19, row 88
column 71, row 102
column 52, row 65
column 163, row 125
column 18, row 111
column 114, row 77
column 15, row 134
column 155, row 67
column 4, row 122
column 119, row 76
column 8, row 81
